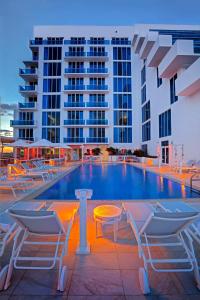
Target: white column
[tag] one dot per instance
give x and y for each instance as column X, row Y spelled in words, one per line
column 82, row 152
column 83, row 195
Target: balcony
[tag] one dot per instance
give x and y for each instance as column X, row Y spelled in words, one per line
column 74, row 122
column 74, row 105
column 97, row 104
column 99, row 87
column 97, row 140
column 138, row 43
column 75, row 55
column 148, row 43
column 74, row 140
column 28, row 90
column 98, row 71
column 97, row 122
column 28, row 106
column 97, row 56
column 181, row 55
column 74, row 42
column 28, row 73
column 19, row 123
column 121, row 42
column 159, row 50
column 98, row 42
column 72, row 88
column 75, row 72
column 188, row 82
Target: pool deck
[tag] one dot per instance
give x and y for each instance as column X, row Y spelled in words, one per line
column 111, row 269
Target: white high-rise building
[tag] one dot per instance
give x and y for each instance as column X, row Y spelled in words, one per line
column 121, row 86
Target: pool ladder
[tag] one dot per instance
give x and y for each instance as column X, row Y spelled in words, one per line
column 194, row 177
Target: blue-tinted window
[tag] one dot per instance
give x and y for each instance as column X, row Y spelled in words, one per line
column 122, row 53
column 51, row 85
column 97, row 115
column 146, row 114
column 122, row 135
column 26, row 134
column 122, row 101
column 51, row 102
column 159, row 80
column 51, row 134
column 75, row 81
column 75, row 97
column 97, row 97
column 96, row 132
column 143, row 75
column 52, row 53
column 26, row 115
column 146, row 131
column 52, row 69
column 173, row 97
column 75, row 132
column 122, row 69
column 122, row 117
column 122, row 85
column 75, row 115
column 51, row 118
column 165, row 124
column 143, row 94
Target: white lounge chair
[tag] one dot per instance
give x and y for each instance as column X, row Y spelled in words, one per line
column 45, row 175
column 8, row 229
column 56, row 222
column 156, row 229
column 14, row 185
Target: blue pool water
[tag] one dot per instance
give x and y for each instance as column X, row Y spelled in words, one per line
column 118, row 182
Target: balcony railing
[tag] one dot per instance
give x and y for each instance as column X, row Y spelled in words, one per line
column 97, row 122
column 22, row 123
column 45, row 42
column 74, row 70
column 121, row 42
column 100, row 87
column 75, row 53
column 97, row 70
column 74, row 122
column 74, row 140
column 96, row 104
column 74, row 87
column 74, row 104
column 27, row 71
column 96, row 140
column 96, row 54
column 28, row 88
column 98, row 42
column 74, row 42
column 27, row 105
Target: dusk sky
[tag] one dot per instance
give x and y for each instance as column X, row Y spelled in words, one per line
column 17, row 18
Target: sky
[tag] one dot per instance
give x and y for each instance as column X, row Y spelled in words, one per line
column 17, row 18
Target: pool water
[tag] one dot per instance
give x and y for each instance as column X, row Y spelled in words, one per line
column 116, row 182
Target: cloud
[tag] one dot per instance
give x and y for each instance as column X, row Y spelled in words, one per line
column 6, row 132
column 7, row 109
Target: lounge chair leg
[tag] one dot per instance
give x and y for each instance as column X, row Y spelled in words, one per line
column 115, row 227
column 144, row 281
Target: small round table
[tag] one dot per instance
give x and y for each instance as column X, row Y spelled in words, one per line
column 107, row 214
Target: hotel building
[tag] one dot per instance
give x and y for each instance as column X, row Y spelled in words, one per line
column 121, row 86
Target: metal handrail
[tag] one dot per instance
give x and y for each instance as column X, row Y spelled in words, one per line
column 192, row 178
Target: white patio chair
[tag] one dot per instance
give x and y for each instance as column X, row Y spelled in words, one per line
column 161, row 228
column 8, row 229
column 44, row 174
column 14, row 185
column 41, row 224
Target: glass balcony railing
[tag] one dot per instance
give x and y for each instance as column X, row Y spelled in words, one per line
column 45, row 42
column 97, row 122
column 27, row 105
column 96, row 54
column 28, row 88
column 74, row 122
column 22, row 123
column 97, row 70
column 27, row 71
column 74, row 70
column 98, row 42
column 96, row 140
column 74, row 54
column 35, row 57
column 75, row 42
column 96, row 104
column 74, row 104
column 74, row 140
column 121, row 42
column 74, row 87
column 99, row 87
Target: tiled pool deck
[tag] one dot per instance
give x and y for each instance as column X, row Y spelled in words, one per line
column 109, row 272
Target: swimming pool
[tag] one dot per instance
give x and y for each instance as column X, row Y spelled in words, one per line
column 116, row 182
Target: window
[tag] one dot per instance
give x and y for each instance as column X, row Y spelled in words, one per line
column 96, row 132
column 143, row 94
column 97, row 40
column 146, row 131
column 173, row 97
column 75, row 98
column 120, row 41
column 146, row 112
column 97, row 81
column 52, row 69
column 143, row 75
column 97, row 115
column 75, row 132
column 122, row 85
column 122, row 53
column 78, row 51
column 122, row 117
column 159, row 80
column 77, row 40
column 97, row 50
column 122, row 135
column 51, row 85
column 122, row 69
column 26, row 116
column 144, row 148
column 75, row 115
column 26, row 134
column 51, row 118
column 122, row 101
column 51, row 134
column 97, row 98
column 165, row 124
column 75, row 81
column 51, row 102
column 52, row 53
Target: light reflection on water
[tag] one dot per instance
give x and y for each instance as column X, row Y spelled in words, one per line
column 120, row 182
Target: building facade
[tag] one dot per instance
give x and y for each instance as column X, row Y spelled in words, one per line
column 125, row 87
